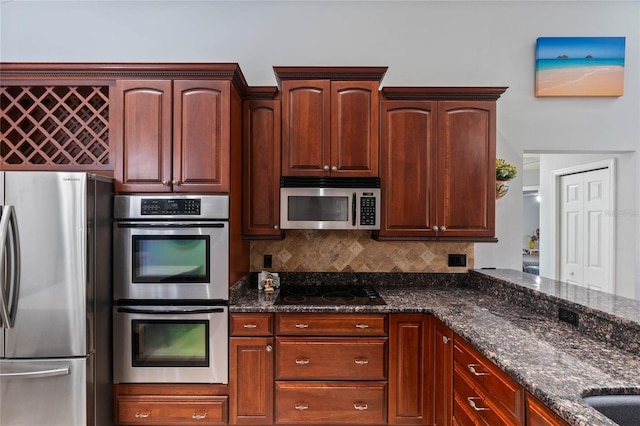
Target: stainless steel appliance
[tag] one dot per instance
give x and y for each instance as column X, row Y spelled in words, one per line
column 341, row 294
column 55, row 308
column 171, row 344
column 171, row 247
column 329, row 203
column 171, row 263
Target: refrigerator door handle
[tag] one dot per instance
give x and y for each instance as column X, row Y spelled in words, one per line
column 9, row 240
column 27, row 373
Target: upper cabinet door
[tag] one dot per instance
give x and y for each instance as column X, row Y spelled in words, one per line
column 306, row 127
column 261, row 168
column 143, row 136
column 408, row 168
column 354, row 128
column 466, row 168
column 201, row 136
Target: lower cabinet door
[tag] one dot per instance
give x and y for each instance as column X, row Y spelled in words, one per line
column 331, row 403
column 171, row 410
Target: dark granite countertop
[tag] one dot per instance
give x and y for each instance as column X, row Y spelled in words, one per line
column 511, row 318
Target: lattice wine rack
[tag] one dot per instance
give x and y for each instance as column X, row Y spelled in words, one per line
column 65, row 127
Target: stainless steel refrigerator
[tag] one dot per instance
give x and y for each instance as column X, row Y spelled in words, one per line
column 55, row 312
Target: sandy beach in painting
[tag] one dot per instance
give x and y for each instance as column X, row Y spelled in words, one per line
column 581, row 81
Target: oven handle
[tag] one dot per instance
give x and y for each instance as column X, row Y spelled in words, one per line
column 169, row 225
column 197, row 310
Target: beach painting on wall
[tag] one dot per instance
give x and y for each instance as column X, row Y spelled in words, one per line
column 580, row 66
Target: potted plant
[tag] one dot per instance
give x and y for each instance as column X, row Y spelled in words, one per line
column 504, row 173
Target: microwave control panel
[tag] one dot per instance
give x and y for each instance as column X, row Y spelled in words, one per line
column 367, row 211
column 164, row 206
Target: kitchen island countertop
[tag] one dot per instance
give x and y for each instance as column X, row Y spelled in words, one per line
column 511, row 318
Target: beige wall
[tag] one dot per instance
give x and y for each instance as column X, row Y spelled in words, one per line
column 354, row 251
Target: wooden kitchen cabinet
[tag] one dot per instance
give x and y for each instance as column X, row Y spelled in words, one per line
column 330, row 120
column 170, row 404
column 176, row 134
column 442, row 374
column 538, row 414
column 251, row 369
column 437, row 161
column 483, row 393
column 261, row 165
column 410, row 369
column 331, row 368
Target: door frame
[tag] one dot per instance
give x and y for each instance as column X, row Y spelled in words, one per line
column 610, row 165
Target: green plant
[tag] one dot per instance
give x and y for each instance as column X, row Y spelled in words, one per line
column 504, row 170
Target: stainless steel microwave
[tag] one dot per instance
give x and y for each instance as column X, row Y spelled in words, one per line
column 329, row 203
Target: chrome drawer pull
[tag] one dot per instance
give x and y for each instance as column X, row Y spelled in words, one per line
column 302, row 325
column 473, row 405
column 360, row 406
column 199, row 416
column 362, row 325
column 140, row 415
column 250, row 326
column 361, row 361
column 301, row 406
column 302, row 361
column 472, row 368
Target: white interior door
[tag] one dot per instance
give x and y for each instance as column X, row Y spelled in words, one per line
column 586, row 242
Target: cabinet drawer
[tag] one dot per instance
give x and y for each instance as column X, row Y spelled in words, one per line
column 331, row 403
column 489, row 377
column 171, row 410
column 478, row 402
column 257, row 324
column 331, row 324
column 330, row 358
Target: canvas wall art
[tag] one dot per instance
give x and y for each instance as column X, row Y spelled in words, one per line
column 580, row 66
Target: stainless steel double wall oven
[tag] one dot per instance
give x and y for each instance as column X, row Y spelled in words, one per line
column 171, row 289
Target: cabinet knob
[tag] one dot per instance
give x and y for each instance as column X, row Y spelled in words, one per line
column 435, row 228
column 445, row 339
column 334, row 168
column 269, row 348
column 175, row 182
column 144, row 415
column 276, row 226
column 443, row 228
column 326, row 168
column 165, row 182
column 197, row 416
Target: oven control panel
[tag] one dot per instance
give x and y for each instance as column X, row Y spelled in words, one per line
column 169, row 207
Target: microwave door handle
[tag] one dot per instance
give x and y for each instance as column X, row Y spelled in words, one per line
column 353, row 210
column 169, row 312
column 10, row 270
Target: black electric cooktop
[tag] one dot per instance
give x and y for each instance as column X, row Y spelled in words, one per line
column 350, row 295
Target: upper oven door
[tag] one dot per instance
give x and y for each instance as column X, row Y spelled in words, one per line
column 171, row 260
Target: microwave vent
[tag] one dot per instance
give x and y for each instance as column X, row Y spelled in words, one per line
column 328, row 182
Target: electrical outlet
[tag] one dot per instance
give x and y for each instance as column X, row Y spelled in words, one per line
column 568, row 316
column 267, row 261
column 457, row 260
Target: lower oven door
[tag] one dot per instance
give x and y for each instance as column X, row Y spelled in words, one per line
column 170, row 344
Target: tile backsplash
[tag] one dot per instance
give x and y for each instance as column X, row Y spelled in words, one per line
column 355, row 251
